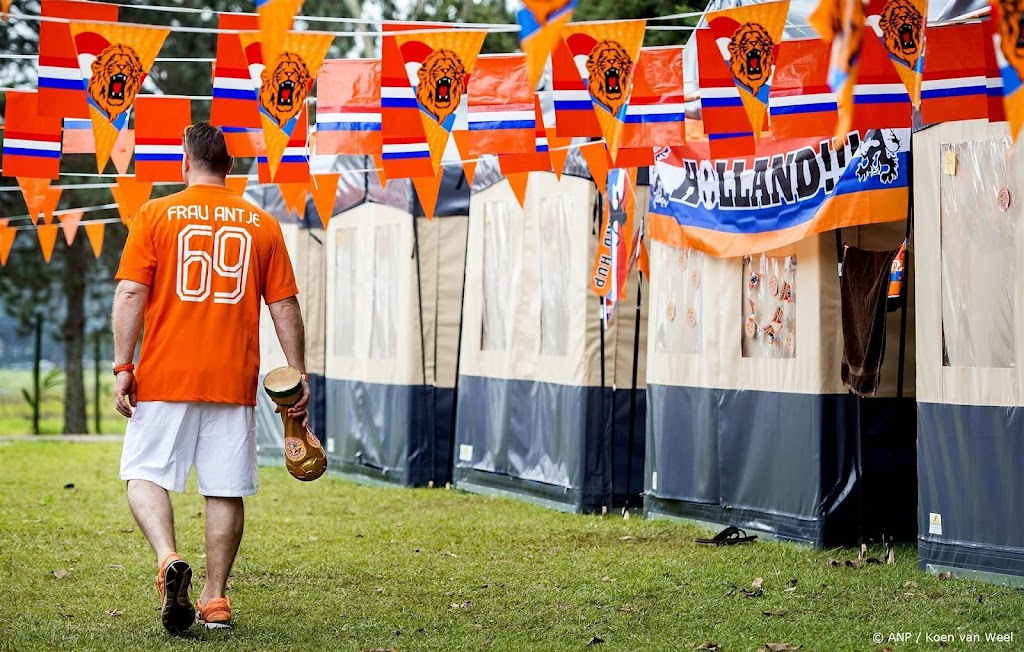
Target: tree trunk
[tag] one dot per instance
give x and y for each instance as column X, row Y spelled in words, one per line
column 37, row 356
column 76, row 262
column 97, row 340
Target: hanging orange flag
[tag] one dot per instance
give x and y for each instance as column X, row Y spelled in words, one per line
column 438, row 64
column 284, row 84
column 130, row 194
column 500, row 108
column 606, row 54
column 656, row 115
column 539, row 160
column 294, row 197
column 558, row 150
column 748, row 38
column 378, row 164
column 114, row 59
column 69, row 224
column 324, row 189
column 31, row 142
column 95, row 231
column 34, row 192
column 468, row 162
column 7, row 235
column 237, row 183
column 348, row 114
column 611, row 263
column 275, row 18
column 49, row 204
column 5, row 7
column 597, row 161
column 47, row 239
column 124, row 148
column 1010, row 59
column 518, row 181
column 900, row 25
column 540, row 27
column 841, row 23
column 427, row 189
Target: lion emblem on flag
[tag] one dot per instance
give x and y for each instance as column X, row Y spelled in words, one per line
column 442, row 82
column 609, row 74
column 879, row 156
column 751, row 56
column 284, row 87
column 115, row 81
column 1011, row 33
column 902, row 24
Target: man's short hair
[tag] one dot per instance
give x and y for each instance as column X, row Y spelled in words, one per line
column 207, row 149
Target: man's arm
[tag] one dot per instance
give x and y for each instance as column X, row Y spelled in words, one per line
column 129, row 310
column 291, row 333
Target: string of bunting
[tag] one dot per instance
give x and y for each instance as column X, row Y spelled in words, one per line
column 432, row 91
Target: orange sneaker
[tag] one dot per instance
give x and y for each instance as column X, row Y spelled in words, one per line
column 172, row 583
column 215, row 614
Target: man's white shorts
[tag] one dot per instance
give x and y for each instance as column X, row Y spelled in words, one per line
column 164, row 440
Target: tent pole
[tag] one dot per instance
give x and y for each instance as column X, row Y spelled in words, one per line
column 423, row 346
column 858, row 461
column 905, row 290
column 632, row 395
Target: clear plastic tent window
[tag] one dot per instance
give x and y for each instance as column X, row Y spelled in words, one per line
column 345, row 270
column 497, row 266
column 769, row 306
column 978, row 232
column 555, row 270
column 679, row 302
column 384, row 334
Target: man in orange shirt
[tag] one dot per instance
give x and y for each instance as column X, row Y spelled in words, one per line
column 194, row 269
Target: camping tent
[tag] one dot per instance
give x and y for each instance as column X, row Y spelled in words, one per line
column 394, row 287
column 970, row 350
column 536, row 409
column 754, row 428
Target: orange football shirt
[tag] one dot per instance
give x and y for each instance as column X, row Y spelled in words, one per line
column 208, row 257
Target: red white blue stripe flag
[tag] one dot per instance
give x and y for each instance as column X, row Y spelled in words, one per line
column 954, row 86
column 31, row 141
column 160, row 122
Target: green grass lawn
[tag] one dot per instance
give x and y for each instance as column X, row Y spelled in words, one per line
column 16, row 415
column 336, row 566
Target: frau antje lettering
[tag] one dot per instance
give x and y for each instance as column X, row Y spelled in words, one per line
column 201, row 213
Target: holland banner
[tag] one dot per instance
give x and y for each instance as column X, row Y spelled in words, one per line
column 789, row 191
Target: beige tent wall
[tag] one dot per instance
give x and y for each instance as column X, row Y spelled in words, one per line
column 391, row 376
column 968, row 259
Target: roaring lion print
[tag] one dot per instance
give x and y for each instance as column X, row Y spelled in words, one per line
column 751, row 56
column 116, row 78
column 284, row 87
column 1011, row 32
column 442, row 82
column 902, row 28
column 609, row 74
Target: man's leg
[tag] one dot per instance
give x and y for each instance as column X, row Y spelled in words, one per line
column 225, row 518
column 151, row 507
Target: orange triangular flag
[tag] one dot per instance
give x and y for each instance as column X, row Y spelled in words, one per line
column 518, row 181
column 300, row 54
column 50, row 202
column 613, row 48
column 275, row 18
column 378, row 162
column 325, row 190
column 69, row 223
column 109, row 43
column 435, row 57
column 597, row 161
column 900, row 25
column 427, row 189
column 468, row 163
column 558, row 150
column 540, row 29
column 94, row 230
column 5, row 8
column 751, row 34
column 47, row 239
column 237, row 183
column 124, row 148
column 34, row 191
column 294, row 197
column 7, row 235
column 130, row 195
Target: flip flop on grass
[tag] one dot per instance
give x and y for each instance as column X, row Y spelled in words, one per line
column 727, row 537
